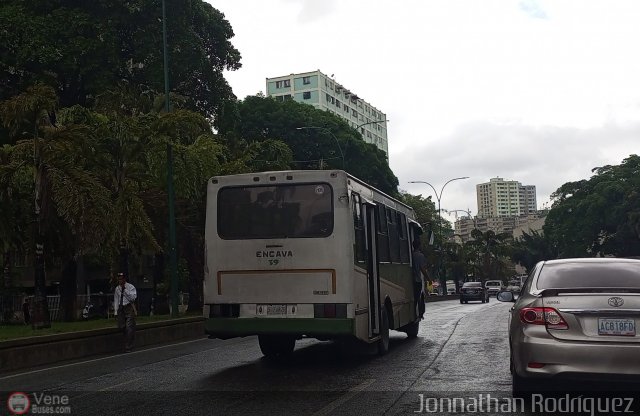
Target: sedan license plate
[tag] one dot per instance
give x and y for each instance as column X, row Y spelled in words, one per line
column 271, row 309
column 622, row 327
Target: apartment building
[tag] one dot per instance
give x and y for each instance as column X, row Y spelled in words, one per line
column 323, row 92
column 500, row 198
column 514, row 225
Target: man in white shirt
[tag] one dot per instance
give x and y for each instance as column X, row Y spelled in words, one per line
column 124, row 297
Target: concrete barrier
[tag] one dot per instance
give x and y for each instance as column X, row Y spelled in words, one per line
column 47, row 349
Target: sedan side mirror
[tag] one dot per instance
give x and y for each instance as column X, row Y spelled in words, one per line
column 505, row 296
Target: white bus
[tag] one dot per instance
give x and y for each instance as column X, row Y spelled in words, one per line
column 315, row 254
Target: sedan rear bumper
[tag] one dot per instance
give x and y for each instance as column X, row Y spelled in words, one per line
column 576, row 360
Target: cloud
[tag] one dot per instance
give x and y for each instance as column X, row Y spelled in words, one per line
column 533, row 9
column 546, row 157
column 472, row 88
column 312, row 10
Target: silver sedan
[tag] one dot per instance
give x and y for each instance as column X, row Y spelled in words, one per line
column 575, row 319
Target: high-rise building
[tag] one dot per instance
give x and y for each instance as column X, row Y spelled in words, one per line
column 500, row 198
column 323, row 92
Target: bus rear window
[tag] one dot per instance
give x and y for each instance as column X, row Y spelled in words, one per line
column 280, row 211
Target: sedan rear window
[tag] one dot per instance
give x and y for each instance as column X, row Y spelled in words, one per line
column 472, row 284
column 589, row 275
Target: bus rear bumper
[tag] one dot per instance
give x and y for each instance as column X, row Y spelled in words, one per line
column 225, row 328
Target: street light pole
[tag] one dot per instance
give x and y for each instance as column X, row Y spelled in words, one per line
column 173, row 262
column 332, row 135
column 371, row 122
column 466, row 211
column 438, row 198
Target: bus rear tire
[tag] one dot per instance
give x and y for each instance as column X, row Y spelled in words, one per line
column 276, row 345
column 383, row 342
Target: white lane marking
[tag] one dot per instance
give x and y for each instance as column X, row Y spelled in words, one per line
column 100, row 359
column 121, row 384
column 106, row 389
column 328, row 409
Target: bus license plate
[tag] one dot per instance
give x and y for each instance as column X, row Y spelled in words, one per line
column 271, row 309
column 623, row 327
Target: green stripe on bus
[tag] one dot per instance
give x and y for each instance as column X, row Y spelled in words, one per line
column 302, row 326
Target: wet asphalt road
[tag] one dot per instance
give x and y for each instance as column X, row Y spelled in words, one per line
column 460, row 348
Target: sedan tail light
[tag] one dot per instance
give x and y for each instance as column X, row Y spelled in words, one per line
column 543, row 316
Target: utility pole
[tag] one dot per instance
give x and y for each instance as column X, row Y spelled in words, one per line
column 173, row 262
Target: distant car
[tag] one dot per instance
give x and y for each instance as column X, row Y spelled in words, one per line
column 575, row 319
column 473, row 291
column 451, row 291
column 493, row 286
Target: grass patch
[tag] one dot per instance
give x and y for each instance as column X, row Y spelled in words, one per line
column 8, row 332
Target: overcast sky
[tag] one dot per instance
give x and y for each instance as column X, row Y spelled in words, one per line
column 535, row 91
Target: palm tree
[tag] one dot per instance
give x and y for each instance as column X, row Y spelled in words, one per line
column 489, row 250
column 62, row 186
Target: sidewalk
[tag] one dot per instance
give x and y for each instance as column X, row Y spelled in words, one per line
column 35, row 351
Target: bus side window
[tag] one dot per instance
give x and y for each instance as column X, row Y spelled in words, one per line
column 359, row 246
column 402, row 236
column 394, row 238
column 383, row 234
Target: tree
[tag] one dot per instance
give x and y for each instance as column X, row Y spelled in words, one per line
column 256, row 119
column 62, row 186
column 529, row 249
column 424, row 208
column 599, row 216
column 489, row 252
column 82, row 49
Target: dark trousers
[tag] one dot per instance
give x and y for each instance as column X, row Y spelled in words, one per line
column 417, row 299
column 127, row 322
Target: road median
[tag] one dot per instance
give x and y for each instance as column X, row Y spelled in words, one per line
column 35, row 351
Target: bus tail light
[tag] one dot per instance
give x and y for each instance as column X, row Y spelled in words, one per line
column 330, row 310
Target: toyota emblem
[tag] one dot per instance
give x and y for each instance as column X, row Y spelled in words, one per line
column 616, row 301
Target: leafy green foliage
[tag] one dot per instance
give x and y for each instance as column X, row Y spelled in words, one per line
column 83, row 49
column 323, row 142
column 63, row 187
column 599, row 216
column 529, row 249
column 489, row 254
column 424, row 208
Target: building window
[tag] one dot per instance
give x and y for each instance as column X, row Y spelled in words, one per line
column 278, row 84
column 287, row 83
column 288, row 97
column 338, row 104
column 279, row 98
column 354, row 113
column 306, row 80
column 306, row 95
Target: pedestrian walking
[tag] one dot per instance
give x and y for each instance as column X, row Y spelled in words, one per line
column 124, row 297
